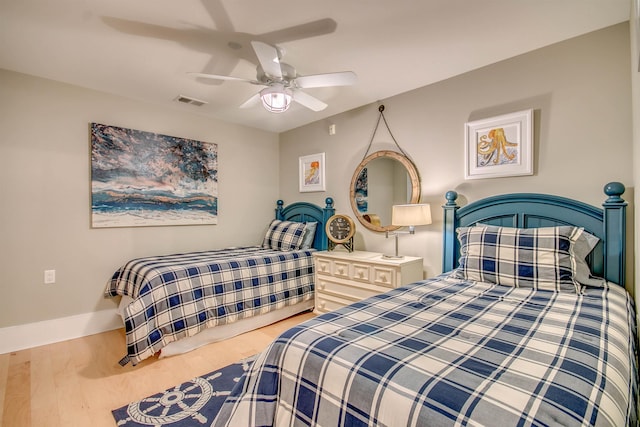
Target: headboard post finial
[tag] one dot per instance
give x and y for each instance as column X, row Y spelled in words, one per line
column 614, row 190
column 451, row 197
column 329, row 202
column 279, row 209
column 614, row 223
column 450, row 224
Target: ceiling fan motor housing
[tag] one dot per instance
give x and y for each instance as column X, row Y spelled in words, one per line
column 288, row 74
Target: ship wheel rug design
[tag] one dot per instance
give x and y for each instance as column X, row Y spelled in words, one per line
column 192, row 403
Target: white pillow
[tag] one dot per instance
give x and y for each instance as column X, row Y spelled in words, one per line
column 309, row 234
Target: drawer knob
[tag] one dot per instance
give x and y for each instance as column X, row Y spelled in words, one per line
column 321, row 304
column 360, row 274
column 340, row 270
column 383, row 278
column 321, row 285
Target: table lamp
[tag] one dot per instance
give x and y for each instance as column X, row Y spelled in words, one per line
column 410, row 216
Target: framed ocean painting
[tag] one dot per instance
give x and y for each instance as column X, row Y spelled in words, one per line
column 141, row 178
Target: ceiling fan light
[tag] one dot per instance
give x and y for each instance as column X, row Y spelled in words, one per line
column 276, row 98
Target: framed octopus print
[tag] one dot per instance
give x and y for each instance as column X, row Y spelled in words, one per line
column 499, row 146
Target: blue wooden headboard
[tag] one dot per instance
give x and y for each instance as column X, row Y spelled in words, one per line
column 308, row 212
column 530, row 210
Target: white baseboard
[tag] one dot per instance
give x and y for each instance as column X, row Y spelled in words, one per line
column 20, row 337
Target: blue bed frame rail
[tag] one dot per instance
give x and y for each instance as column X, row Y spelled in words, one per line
column 530, row 210
column 308, row 212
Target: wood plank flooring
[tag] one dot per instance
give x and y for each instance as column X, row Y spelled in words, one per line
column 79, row 382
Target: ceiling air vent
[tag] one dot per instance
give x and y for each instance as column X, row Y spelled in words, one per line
column 189, row 100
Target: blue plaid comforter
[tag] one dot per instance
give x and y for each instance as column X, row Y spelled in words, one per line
column 444, row 352
column 180, row 295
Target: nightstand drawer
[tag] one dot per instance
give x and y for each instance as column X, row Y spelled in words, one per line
column 323, row 266
column 361, row 272
column 341, row 269
column 347, row 290
column 326, row 303
column 384, row 276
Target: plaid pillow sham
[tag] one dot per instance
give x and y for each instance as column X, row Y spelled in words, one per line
column 584, row 244
column 284, row 235
column 538, row 258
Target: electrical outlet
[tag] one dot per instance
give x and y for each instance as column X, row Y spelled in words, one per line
column 49, row 277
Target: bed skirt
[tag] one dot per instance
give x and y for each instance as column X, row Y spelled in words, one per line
column 223, row 332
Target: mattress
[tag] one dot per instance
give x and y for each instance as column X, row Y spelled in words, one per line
column 447, row 352
column 177, row 296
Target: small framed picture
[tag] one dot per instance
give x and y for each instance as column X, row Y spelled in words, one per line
column 499, row 146
column 312, row 176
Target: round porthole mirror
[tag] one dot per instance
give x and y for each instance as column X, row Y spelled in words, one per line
column 381, row 180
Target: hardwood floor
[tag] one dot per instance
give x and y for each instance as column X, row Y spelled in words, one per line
column 79, row 382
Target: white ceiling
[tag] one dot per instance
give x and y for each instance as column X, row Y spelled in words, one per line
column 143, row 49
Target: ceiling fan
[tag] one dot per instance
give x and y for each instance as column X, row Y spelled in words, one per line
column 282, row 82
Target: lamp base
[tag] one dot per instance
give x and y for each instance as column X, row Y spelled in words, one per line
column 391, row 256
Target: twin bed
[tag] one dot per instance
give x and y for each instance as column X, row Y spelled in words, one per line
column 172, row 304
column 528, row 344
column 529, row 325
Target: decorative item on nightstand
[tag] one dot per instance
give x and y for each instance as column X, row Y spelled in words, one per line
column 340, row 230
column 408, row 215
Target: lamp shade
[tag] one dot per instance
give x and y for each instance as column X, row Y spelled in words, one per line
column 276, row 98
column 413, row 214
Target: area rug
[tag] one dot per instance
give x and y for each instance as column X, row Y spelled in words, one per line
column 193, row 403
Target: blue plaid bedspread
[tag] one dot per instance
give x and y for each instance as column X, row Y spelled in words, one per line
column 444, row 352
column 179, row 295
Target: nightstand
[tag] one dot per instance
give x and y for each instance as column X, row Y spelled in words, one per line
column 342, row 278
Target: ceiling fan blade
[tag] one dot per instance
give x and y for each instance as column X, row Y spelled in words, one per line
column 308, row 101
column 217, row 77
column 219, row 15
column 251, row 101
column 345, row 78
column 268, row 57
column 302, row 31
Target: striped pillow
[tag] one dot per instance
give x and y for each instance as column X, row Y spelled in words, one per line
column 538, row 258
column 284, row 235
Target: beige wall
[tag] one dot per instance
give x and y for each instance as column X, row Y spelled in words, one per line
column 579, row 90
column 45, row 195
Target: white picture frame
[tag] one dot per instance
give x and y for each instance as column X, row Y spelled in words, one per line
column 499, row 146
column 312, row 173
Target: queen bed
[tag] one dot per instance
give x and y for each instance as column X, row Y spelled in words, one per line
column 175, row 303
column 529, row 325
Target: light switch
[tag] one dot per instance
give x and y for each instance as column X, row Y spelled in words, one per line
column 49, row 277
